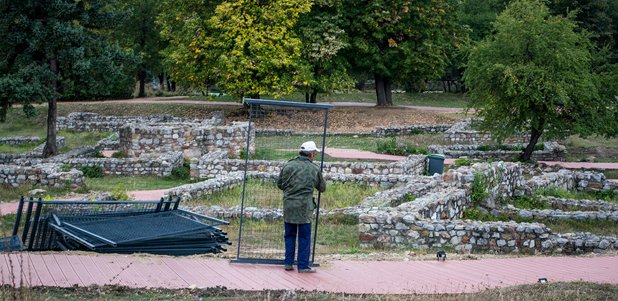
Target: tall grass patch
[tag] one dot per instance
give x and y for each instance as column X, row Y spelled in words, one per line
column 337, row 195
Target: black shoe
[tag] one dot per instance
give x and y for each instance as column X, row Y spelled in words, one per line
column 289, row 267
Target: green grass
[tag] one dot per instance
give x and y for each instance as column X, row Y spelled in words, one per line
column 567, row 291
column 611, row 173
column 18, row 125
column 333, row 236
column 604, row 228
column 10, row 194
column 592, row 141
column 107, row 183
column 265, row 194
column 16, row 149
column 607, row 195
column 450, row 100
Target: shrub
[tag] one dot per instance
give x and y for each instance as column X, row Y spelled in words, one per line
column 463, row 162
column 119, row 155
column 388, row 146
column 99, row 154
column 530, row 202
column 391, row 147
column 65, row 167
column 92, row 171
column 479, row 191
column 408, row 198
column 119, row 192
column 182, row 172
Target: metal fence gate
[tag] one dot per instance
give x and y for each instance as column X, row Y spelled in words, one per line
column 260, row 240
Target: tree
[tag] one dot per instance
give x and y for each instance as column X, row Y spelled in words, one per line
column 185, row 26
column 140, row 33
column 323, row 38
column 534, row 75
column 58, row 48
column 399, row 40
column 246, row 47
column 479, row 14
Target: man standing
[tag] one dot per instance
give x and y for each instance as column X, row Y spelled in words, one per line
column 297, row 179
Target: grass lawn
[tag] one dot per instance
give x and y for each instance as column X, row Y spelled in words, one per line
column 10, row 194
column 108, row 183
column 601, row 148
column 18, row 125
column 450, row 100
column 582, row 291
column 604, row 228
column 265, row 194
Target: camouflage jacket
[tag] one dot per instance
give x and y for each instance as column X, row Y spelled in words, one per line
column 297, row 179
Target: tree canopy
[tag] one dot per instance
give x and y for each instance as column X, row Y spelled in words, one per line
column 534, row 75
column 60, row 48
column 399, row 40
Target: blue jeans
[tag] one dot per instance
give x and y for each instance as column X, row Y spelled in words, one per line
column 304, row 244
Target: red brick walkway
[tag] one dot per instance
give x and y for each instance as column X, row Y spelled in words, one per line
column 359, row 277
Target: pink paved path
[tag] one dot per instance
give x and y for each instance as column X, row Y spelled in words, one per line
column 359, row 277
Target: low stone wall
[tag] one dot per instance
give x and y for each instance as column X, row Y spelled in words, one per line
column 193, row 140
column 215, row 164
column 37, row 152
column 395, row 229
column 503, row 180
column 584, row 205
column 552, row 152
column 192, row 191
column 460, row 132
column 572, row 180
column 444, row 204
column 41, row 174
column 161, row 165
column 85, row 121
column 19, row 140
column 410, row 130
column 557, row 214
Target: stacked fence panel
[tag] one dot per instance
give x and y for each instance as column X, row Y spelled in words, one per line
column 156, row 227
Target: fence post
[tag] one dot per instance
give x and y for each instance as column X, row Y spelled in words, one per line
column 20, row 207
column 35, row 222
column 27, row 221
column 159, row 205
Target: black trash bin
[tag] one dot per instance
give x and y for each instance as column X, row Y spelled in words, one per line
column 435, row 164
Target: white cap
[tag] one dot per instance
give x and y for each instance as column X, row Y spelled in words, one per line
column 309, row 146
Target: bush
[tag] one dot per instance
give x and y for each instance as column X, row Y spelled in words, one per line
column 119, row 155
column 182, row 172
column 388, row 146
column 65, row 167
column 463, row 162
column 92, row 171
column 479, row 191
column 391, row 147
column 527, row 202
column 99, row 154
column 119, row 192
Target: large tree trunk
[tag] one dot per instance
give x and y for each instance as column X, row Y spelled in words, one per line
column 314, row 96
column 383, row 91
column 4, row 108
column 51, row 148
column 142, row 83
column 535, row 134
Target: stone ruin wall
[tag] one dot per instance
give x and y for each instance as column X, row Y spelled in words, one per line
column 86, row 121
column 48, row 174
column 193, row 140
column 431, row 221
